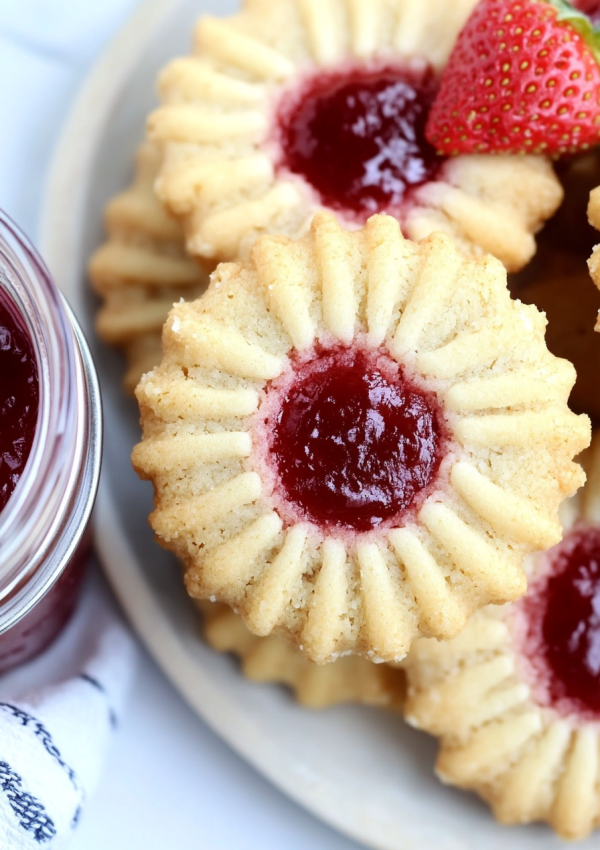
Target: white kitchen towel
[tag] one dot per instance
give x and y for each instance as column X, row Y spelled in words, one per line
column 53, row 742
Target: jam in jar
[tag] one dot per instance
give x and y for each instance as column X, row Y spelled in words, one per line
column 50, row 440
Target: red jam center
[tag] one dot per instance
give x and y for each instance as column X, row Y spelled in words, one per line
column 359, row 137
column 18, row 398
column 570, row 625
column 354, row 442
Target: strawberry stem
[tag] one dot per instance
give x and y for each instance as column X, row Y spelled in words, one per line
column 580, row 22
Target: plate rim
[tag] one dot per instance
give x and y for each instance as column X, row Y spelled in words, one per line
column 61, row 220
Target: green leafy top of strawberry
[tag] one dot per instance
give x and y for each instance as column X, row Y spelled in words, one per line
column 580, row 21
column 524, row 77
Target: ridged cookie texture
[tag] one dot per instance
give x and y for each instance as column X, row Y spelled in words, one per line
column 216, row 129
column 594, row 208
column 594, row 220
column 272, row 659
column 557, row 281
column 527, row 760
column 141, row 270
column 450, row 323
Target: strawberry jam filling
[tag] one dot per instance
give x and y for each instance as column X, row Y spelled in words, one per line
column 18, row 398
column 565, row 623
column 355, row 443
column 358, row 137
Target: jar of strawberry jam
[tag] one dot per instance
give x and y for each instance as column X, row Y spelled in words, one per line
column 50, row 449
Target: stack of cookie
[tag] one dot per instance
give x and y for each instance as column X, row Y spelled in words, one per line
column 141, row 270
column 360, row 445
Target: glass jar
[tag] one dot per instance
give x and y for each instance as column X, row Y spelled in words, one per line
column 43, row 540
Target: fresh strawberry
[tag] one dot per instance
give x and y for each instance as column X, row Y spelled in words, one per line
column 523, row 78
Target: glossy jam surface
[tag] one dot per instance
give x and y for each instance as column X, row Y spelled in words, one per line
column 18, row 398
column 571, row 621
column 358, row 137
column 354, row 441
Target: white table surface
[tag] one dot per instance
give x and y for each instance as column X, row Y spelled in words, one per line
column 169, row 782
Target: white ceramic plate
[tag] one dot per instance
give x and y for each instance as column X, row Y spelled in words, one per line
column 362, row 771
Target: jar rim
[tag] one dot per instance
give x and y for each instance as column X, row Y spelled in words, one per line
column 50, row 507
